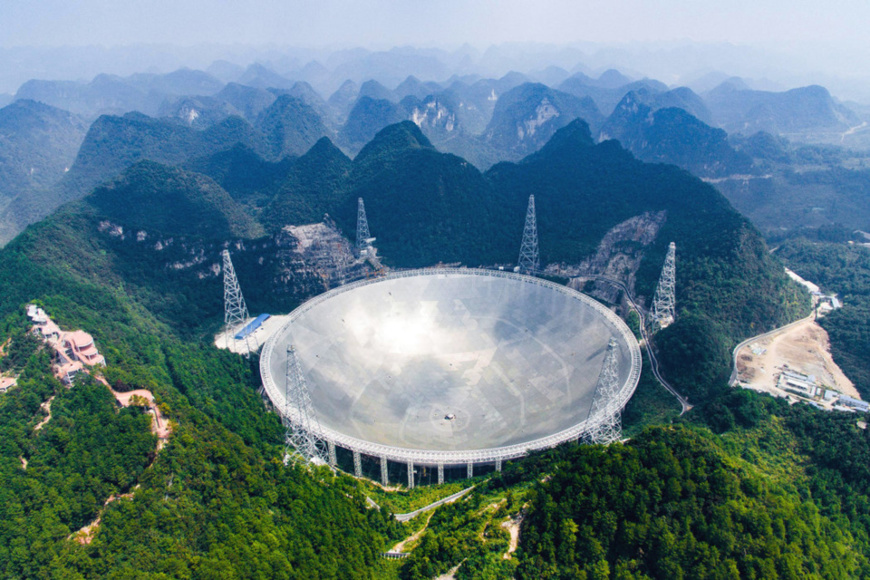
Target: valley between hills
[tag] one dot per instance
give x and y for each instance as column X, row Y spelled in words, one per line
column 119, row 196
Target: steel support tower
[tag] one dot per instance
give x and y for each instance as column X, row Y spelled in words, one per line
column 362, row 226
column 529, row 261
column 302, row 442
column 605, row 411
column 663, row 310
column 235, row 310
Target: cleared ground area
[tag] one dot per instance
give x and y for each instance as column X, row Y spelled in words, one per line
column 804, row 347
column 226, row 338
column 449, row 360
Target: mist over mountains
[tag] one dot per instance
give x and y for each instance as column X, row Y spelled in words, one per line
column 282, row 107
column 120, row 190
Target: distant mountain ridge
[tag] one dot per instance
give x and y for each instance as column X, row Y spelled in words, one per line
column 798, row 110
column 527, row 116
column 484, row 121
column 672, row 135
column 113, row 94
column 38, row 144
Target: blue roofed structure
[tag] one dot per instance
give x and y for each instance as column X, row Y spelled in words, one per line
column 252, row 326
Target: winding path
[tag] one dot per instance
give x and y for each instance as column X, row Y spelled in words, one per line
column 647, row 343
column 433, row 505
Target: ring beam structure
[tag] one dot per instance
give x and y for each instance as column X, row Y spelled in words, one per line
column 451, row 366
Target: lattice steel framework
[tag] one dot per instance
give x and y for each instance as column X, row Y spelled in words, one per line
column 302, row 442
column 604, row 414
column 663, row 310
column 459, row 457
column 235, row 310
column 362, row 226
column 529, row 261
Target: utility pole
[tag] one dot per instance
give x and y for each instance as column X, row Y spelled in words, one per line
column 529, row 261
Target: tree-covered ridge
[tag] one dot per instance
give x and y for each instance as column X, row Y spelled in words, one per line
column 782, row 493
column 38, row 143
column 215, row 502
column 290, row 127
column 673, row 505
column 672, row 135
column 427, row 207
column 55, row 479
column 171, row 201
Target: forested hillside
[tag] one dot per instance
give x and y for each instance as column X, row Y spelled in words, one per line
column 215, row 502
column 427, row 207
column 780, row 492
column 133, row 263
column 38, row 144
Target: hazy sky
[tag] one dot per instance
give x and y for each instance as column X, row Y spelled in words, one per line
column 839, row 23
column 778, row 43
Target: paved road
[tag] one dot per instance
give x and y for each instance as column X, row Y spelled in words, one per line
column 433, row 505
column 733, row 380
column 654, row 363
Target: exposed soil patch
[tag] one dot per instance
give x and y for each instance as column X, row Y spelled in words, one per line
column 513, row 528
column 413, row 538
column 46, row 406
column 159, row 424
column 86, row 534
column 804, row 347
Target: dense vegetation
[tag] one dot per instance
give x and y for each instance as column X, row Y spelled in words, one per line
column 672, row 135
column 173, row 202
column 672, row 505
column 781, row 493
column 216, row 502
column 821, row 194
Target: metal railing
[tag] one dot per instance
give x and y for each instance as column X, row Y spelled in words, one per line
column 457, row 457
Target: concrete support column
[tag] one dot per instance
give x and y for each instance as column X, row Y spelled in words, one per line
column 498, row 464
column 440, row 473
column 410, row 475
column 384, row 478
column 470, row 469
column 332, row 460
column 357, row 464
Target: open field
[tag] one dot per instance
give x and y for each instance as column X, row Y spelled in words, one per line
column 804, row 348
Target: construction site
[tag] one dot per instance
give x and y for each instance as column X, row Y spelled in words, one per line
column 795, row 362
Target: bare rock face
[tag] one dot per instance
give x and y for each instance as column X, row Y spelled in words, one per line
column 618, row 257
